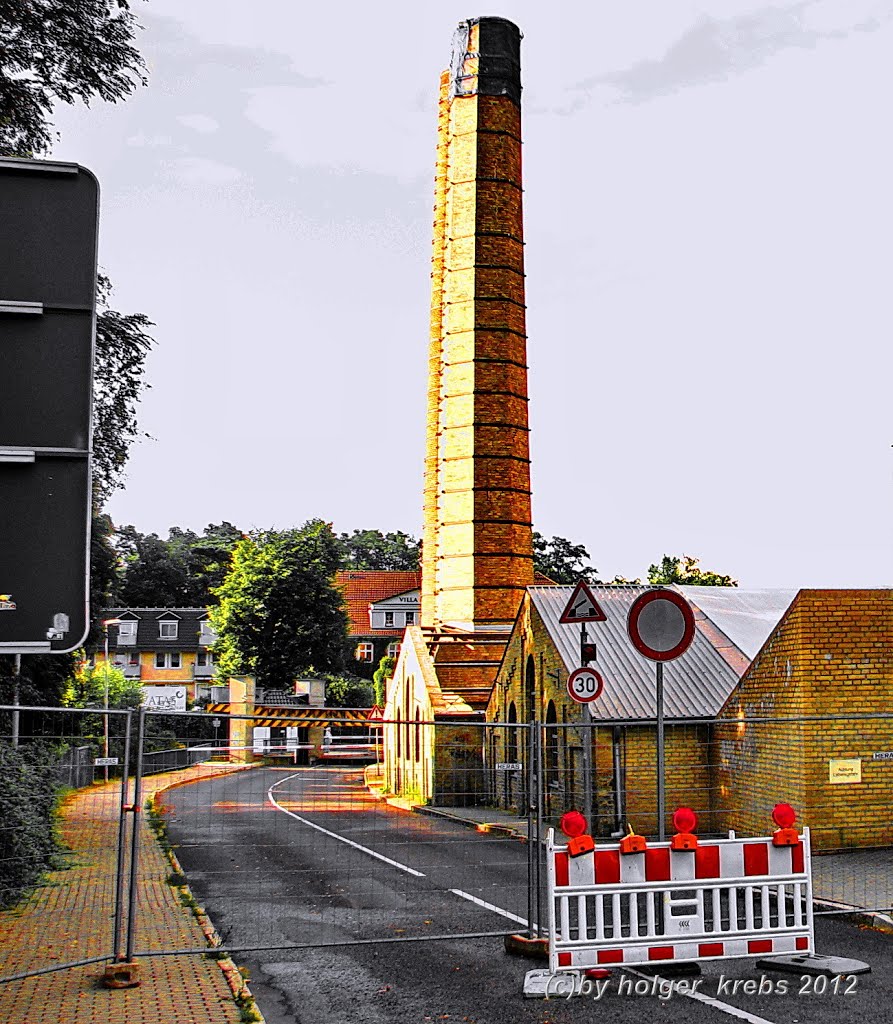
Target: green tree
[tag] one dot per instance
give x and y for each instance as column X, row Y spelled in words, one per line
column 562, row 561
column 372, row 549
column 151, row 577
column 182, row 571
column 347, row 691
column 207, row 558
column 685, row 571
column 61, row 50
column 383, row 673
column 279, row 615
column 122, row 346
column 87, row 688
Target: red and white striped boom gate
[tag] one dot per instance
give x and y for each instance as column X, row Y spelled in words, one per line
column 725, row 898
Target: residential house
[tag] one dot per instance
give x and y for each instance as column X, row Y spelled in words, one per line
column 162, row 647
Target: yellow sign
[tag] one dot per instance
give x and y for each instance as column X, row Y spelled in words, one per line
column 842, row 770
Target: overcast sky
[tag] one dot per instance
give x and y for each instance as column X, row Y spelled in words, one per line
column 708, row 228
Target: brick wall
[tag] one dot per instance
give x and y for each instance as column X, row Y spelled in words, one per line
column 830, row 655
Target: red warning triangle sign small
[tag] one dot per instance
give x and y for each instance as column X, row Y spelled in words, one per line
column 582, row 606
column 375, row 714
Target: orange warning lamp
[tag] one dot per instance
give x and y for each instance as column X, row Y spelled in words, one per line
column 685, row 821
column 785, row 835
column 631, row 843
column 573, row 825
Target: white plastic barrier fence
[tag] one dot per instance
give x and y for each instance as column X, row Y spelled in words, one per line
column 726, row 898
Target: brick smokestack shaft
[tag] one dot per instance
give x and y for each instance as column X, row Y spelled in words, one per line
column 477, row 553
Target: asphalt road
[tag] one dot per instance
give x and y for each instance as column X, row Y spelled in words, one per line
column 309, row 859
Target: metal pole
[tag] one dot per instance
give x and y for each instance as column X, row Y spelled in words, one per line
column 135, row 834
column 16, row 683
column 586, row 736
column 531, row 838
column 122, row 837
column 661, row 794
column 538, row 852
column 105, row 717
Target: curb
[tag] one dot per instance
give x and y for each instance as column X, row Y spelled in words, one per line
column 494, row 827
column 238, row 986
column 874, row 919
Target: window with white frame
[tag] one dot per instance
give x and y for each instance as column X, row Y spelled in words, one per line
column 364, row 652
column 389, row 618
column 206, row 635
column 394, row 649
column 126, row 628
column 167, row 659
column 410, row 618
column 168, row 629
column 204, row 658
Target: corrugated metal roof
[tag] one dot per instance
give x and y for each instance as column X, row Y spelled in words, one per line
column 695, row 685
column 747, row 617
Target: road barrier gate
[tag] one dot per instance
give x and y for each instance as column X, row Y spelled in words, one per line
column 638, row 902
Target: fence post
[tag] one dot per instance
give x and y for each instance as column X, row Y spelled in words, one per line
column 135, row 834
column 532, row 829
column 538, row 846
column 122, row 841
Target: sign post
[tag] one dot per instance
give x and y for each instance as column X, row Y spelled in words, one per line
column 585, row 684
column 661, row 626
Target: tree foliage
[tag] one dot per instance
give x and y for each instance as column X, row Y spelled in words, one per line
column 279, row 615
column 383, row 673
column 347, row 691
column 61, row 50
column 90, row 684
column 182, row 571
column 372, row 549
column 28, row 788
column 685, row 571
column 122, row 346
column 561, row 560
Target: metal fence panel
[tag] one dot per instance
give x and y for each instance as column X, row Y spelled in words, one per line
column 47, row 760
column 732, row 772
column 310, row 840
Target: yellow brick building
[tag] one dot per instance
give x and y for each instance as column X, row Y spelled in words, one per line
column 783, row 696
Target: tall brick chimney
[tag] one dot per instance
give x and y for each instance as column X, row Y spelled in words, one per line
column 477, row 547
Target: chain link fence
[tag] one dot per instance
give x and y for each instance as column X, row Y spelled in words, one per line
column 288, row 835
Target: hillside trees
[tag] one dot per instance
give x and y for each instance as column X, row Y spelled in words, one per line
column 279, row 615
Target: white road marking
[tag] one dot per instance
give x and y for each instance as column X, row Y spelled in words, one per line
column 489, row 906
column 717, row 1004
column 334, row 835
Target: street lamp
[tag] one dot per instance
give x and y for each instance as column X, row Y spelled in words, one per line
column 105, row 718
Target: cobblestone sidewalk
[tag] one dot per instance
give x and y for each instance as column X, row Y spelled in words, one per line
column 71, row 917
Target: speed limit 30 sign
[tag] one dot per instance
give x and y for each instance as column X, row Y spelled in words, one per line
column 584, row 685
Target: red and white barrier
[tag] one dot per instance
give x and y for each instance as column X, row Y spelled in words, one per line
column 721, row 899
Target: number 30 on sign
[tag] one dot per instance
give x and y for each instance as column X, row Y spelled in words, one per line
column 584, row 685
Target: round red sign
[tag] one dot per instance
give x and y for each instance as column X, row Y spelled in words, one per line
column 584, row 685
column 661, row 625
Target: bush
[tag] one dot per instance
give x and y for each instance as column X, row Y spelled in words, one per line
column 28, row 797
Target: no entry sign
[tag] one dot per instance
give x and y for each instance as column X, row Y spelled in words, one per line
column 661, row 625
column 584, row 685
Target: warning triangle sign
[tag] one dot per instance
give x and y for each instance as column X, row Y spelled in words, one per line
column 582, row 606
